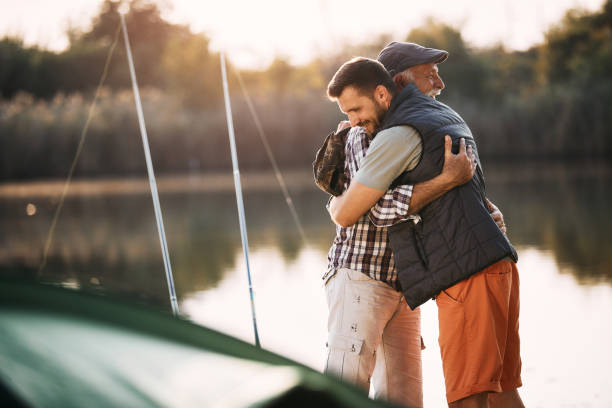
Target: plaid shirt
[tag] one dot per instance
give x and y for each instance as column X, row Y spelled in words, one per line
column 364, row 246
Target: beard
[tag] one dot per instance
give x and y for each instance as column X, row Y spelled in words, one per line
column 434, row 92
column 373, row 124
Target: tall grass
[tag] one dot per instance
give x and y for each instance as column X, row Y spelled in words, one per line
column 38, row 138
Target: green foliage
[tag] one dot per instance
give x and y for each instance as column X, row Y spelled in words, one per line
column 483, row 75
column 467, row 75
column 149, row 34
column 554, row 99
column 191, row 70
column 38, row 138
column 579, row 49
column 166, row 56
column 26, row 69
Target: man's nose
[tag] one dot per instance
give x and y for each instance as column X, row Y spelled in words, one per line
column 439, row 83
column 353, row 119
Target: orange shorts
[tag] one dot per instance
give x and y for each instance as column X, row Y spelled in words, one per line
column 479, row 339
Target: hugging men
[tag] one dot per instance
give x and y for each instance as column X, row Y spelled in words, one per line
column 414, row 223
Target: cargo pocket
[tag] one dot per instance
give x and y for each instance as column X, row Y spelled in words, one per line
column 344, row 357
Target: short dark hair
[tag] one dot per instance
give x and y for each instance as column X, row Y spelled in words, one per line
column 365, row 74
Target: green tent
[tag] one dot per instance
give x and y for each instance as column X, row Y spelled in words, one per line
column 63, row 348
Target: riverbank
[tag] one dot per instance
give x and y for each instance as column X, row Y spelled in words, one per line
column 168, row 184
column 297, row 180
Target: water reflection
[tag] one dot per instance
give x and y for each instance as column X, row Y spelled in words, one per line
column 557, row 219
column 562, row 211
column 110, row 243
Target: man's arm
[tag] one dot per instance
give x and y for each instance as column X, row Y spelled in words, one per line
column 392, row 207
column 458, row 169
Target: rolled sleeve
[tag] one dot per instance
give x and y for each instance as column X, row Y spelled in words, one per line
column 392, row 152
column 392, row 207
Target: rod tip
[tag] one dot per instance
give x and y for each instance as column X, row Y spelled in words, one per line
column 124, row 8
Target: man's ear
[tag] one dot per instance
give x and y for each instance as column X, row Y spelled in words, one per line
column 400, row 80
column 382, row 95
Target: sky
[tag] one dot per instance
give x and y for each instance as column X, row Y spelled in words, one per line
column 252, row 33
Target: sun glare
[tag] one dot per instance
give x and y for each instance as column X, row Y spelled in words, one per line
column 253, row 33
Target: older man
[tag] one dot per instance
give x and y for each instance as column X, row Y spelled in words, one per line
column 453, row 250
column 369, row 321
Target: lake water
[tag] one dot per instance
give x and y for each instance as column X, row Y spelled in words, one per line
column 106, row 242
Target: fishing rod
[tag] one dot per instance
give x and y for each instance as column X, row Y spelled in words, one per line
column 79, row 149
column 238, row 187
column 152, row 182
column 268, row 148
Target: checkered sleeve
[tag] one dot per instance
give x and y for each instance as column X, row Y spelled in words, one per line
column 392, row 207
column 357, row 143
column 363, row 246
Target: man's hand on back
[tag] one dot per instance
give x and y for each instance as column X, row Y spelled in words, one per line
column 458, row 168
column 497, row 216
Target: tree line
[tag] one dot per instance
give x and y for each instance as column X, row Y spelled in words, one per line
column 553, row 100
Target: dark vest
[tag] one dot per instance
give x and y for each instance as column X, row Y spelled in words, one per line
column 455, row 237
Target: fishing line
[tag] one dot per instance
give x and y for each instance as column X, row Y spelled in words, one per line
column 152, row 182
column 60, row 205
column 239, row 201
column 277, row 172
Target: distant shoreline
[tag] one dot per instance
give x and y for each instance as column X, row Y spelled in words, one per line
column 296, row 180
column 182, row 183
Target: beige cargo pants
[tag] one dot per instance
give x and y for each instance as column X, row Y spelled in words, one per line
column 373, row 334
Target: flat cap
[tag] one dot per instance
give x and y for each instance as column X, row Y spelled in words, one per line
column 399, row 56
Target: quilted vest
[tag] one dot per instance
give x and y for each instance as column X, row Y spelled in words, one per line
column 454, row 236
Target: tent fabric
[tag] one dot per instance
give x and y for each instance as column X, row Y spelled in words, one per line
column 63, row 348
